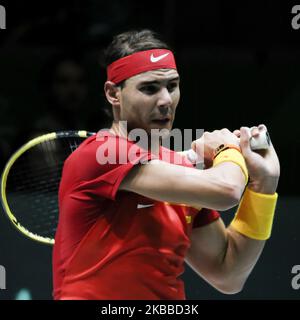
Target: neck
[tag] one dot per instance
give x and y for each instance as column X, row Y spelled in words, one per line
column 119, row 130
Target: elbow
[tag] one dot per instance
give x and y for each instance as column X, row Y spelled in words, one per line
column 228, row 282
column 230, row 288
column 230, row 285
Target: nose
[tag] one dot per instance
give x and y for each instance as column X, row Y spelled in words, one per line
column 165, row 100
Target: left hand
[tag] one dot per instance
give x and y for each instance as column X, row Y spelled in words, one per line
column 263, row 165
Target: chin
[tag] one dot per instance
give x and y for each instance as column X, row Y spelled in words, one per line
column 161, row 125
column 161, row 131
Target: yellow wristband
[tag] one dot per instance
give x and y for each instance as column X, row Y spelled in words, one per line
column 232, row 155
column 255, row 214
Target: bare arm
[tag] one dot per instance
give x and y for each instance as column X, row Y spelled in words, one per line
column 223, row 257
column 218, row 188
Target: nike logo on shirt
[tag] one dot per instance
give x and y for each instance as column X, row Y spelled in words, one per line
column 142, row 206
column 156, row 59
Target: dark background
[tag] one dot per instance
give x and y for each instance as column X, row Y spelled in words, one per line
column 239, row 65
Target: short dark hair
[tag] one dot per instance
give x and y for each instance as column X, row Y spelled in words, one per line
column 130, row 42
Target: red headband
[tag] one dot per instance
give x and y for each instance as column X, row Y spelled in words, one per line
column 139, row 62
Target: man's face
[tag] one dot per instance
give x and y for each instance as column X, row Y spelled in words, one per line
column 149, row 100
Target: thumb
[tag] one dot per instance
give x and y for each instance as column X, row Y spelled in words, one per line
column 245, row 141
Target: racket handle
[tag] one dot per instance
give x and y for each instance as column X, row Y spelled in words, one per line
column 262, row 142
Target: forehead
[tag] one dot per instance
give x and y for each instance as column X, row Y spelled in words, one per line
column 154, row 75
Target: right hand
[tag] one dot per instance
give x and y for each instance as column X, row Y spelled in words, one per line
column 263, row 165
column 209, row 141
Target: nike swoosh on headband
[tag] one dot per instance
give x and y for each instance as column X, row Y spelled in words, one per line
column 156, row 59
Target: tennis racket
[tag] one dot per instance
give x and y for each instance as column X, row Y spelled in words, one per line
column 31, row 177
column 30, row 182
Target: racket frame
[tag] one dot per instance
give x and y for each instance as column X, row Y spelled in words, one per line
column 30, row 144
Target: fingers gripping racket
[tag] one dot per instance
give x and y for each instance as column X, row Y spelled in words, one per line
column 30, row 181
column 262, row 142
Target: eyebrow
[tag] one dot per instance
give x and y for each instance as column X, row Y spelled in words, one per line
column 159, row 81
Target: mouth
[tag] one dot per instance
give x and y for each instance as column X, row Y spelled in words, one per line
column 162, row 121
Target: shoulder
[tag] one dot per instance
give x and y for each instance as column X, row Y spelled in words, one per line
column 104, row 152
column 102, row 141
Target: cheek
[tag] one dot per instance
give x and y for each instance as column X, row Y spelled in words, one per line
column 126, row 106
column 139, row 106
column 176, row 96
column 131, row 110
column 175, row 99
column 139, row 113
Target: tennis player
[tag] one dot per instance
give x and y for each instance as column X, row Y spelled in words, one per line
column 127, row 225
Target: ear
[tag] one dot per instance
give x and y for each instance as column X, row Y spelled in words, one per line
column 112, row 93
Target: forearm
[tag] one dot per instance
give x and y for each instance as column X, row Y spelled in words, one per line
column 225, row 184
column 240, row 256
column 228, row 172
column 225, row 257
column 172, row 183
column 247, row 233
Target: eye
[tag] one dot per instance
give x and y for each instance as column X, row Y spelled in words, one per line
column 172, row 86
column 149, row 89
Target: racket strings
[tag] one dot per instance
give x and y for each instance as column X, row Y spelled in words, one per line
column 32, row 185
